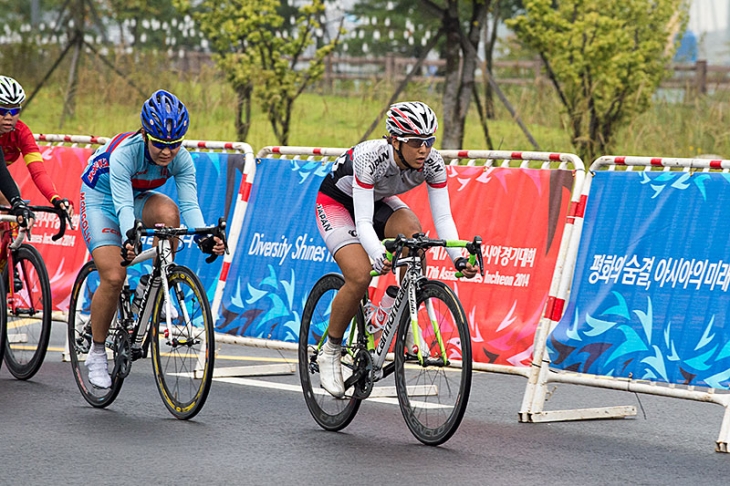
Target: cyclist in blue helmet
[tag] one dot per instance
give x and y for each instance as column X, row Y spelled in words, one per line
column 118, row 187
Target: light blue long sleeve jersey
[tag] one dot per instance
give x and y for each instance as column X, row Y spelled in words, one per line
column 124, row 170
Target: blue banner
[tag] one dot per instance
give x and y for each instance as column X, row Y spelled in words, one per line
column 280, row 254
column 649, row 298
column 218, row 176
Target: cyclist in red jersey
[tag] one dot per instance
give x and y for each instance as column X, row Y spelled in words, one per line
column 17, row 140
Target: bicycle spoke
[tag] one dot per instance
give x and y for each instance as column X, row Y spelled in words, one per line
column 182, row 344
column 433, row 395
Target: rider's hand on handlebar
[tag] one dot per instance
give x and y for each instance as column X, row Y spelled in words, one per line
column 132, row 246
column 64, row 204
column 212, row 245
column 467, row 269
column 24, row 215
column 128, row 251
column 382, row 264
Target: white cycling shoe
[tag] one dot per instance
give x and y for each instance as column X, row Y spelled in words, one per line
column 173, row 313
column 99, row 377
column 330, row 370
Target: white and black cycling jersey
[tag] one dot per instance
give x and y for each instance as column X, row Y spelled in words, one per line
column 367, row 173
column 371, row 165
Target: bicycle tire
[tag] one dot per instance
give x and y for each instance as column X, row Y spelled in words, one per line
column 29, row 312
column 3, row 322
column 432, row 397
column 183, row 357
column 329, row 412
column 79, row 338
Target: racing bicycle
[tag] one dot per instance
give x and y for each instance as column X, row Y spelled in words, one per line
column 432, row 378
column 169, row 317
column 27, row 309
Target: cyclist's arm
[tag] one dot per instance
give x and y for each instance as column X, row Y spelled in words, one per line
column 40, row 177
column 438, row 199
column 121, row 169
column 187, row 190
column 363, row 202
column 7, row 184
column 34, row 162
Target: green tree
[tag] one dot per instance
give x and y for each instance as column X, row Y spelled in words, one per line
column 259, row 57
column 605, row 59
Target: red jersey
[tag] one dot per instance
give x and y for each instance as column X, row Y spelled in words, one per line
column 21, row 142
column 18, row 142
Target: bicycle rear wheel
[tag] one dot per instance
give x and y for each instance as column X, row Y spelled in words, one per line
column 79, row 338
column 29, row 308
column 329, row 412
column 3, row 322
column 433, row 395
column 183, row 352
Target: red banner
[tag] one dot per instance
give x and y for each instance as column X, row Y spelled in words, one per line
column 64, row 257
column 520, row 215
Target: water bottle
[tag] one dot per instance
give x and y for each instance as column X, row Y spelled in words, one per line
column 380, row 314
column 139, row 293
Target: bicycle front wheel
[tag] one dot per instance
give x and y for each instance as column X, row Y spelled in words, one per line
column 29, row 309
column 79, row 338
column 329, row 412
column 183, row 347
column 433, row 388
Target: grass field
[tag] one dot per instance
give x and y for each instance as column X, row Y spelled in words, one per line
column 105, row 105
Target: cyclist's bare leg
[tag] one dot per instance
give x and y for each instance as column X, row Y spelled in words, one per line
column 355, row 266
column 160, row 209
column 108, row 261
column 405, row 222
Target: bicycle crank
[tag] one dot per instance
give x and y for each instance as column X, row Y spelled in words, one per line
column 362, row 367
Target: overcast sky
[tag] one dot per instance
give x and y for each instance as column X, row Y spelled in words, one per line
column 708, row 15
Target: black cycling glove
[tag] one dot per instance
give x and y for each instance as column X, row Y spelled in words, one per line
column 205, row 243
column 460, row 264
column 58, row 201
column 131, row 237
column 20, row 209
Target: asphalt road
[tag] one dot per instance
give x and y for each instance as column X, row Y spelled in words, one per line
column 259, row 431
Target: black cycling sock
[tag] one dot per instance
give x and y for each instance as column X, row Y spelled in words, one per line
column 335, row 341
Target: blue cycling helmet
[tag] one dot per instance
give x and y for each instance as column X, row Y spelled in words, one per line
column 164, row 116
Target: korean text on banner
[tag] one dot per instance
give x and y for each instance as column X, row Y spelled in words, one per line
column 520, row 215
column 650, row 296
column 280, row 254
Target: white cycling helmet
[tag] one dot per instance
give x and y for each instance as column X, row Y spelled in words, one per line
column 11, row 92
column 411, row 118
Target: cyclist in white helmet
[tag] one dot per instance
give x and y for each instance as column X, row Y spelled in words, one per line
column 17, row 140
column 357, row 208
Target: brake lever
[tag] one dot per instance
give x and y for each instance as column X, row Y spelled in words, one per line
column 475, row 248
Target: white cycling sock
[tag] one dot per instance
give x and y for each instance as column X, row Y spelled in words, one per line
column 97, row 348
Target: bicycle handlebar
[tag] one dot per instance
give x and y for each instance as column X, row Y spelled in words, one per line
column 394, row 248
column 62, row 214
column 167, row 233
